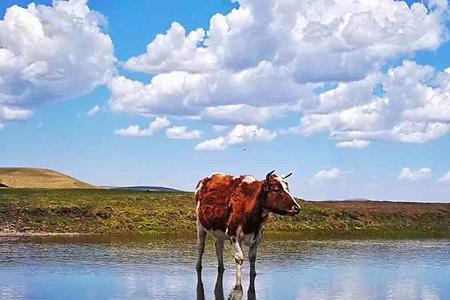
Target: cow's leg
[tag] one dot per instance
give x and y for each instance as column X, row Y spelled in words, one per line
column 219, row 252
column 218, row 288
column 251, row 293
column 201, row 238
column 252, row 251
column 239, row 258
column 200, row 289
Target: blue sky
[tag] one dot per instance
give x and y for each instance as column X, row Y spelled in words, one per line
column 353, row 99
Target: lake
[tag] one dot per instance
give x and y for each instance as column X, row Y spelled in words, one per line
column 148, row 267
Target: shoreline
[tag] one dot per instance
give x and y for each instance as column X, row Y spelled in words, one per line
column 43, row 234
column 32, row 212
column 273, row 235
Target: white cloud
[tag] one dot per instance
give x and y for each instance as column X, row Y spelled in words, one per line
column 181, row 132
column 410, row 175
column 355, row 144
column 419, row 132
column 216, row 144
column 132, row 130
column 240, row 113
column 12, row 113
column 351, row 38
column 2, row 126
column 445, row 178
column 239, row 135
column 93, row 111
column 333, row 175
column 187, row 94
column 50, row 53
column 263, row 60
column 412, row 106
column 154, row 127
column 174, row 50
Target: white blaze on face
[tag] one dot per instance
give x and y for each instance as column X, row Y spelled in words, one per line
column 285, row 188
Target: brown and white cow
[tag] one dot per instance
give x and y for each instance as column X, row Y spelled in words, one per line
column 236, row 209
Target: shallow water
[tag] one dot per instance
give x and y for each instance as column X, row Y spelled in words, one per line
column 163, row 268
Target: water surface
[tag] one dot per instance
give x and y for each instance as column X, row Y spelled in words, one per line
column 163, row 268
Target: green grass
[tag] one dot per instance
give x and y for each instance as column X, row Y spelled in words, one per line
column 113, row 211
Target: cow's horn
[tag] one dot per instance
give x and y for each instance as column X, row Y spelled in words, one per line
column 268, row 174
column 286, row 176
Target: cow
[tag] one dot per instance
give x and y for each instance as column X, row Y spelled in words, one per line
column 236, row 209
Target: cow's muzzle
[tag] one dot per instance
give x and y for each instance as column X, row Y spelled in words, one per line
column 295, row 210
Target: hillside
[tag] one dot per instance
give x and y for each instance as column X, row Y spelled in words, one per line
column 38, row 178
column 122, row 211
column 147, row 188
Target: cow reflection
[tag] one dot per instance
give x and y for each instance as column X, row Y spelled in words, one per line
column 235, row 294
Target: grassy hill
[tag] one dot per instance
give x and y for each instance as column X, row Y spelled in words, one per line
column 119, row 211
column 150, row 188
column 39, row 178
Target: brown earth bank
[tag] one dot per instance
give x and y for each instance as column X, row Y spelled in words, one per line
column 28, row 211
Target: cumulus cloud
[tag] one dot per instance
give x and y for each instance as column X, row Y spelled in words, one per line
column 333, row 175
column 239, row 135
column 445, row 178
column 154, row 127
column 181, row 132
column 50, row 53
column 350, row 38
column 174, row 50
column 187, row 94
column 263, row 60
column 355, row 144
column 411, row 175
column 93, row 111
column 240, row 113
column 412, row 106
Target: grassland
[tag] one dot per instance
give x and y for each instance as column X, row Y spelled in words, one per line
column 116, row 211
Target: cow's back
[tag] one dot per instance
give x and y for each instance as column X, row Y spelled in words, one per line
column 213, row 200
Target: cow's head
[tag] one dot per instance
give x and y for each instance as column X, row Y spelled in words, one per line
column 278, row 198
